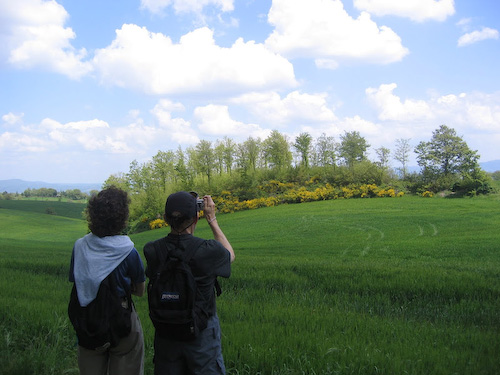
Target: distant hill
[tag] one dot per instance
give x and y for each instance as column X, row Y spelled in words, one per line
column 491, row 166
column 18, row 186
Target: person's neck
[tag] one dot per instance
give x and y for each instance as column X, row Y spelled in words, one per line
column 188, row 230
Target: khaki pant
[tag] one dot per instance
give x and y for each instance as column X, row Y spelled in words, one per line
column 127, row 358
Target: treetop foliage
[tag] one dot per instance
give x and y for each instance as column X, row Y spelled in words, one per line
column 210, row 168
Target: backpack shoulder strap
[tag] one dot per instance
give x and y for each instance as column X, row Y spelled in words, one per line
column 161, row 250
column 189, row 253
column 113, row 285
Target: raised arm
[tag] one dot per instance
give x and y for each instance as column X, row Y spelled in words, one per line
column 209, row 211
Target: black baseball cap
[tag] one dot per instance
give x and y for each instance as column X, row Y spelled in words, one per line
column 181, row 204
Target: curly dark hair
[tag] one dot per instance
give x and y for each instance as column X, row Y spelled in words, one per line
column 107, row 212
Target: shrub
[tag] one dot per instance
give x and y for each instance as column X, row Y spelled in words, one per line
column 157, row 223
column 50, row 211
column 478, row 184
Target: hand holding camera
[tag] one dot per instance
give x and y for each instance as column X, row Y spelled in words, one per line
column 205, row 204
column 200, row 203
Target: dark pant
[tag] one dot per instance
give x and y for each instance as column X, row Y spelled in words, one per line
column 202, row 356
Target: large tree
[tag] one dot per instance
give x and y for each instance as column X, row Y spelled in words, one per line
column 163, row 165
column 303, row 146
column 219, row 156
column 277, row 150
column 325, row 151
column 353, row 148
column 248, row 154
column 119, row 180
column 228, row 153
column 182, row 171
column 139, row 176
column 383, row 157
column 402, row 154
column 446, row 154
column 204, row 159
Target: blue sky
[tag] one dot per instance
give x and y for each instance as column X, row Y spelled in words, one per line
column 86, row 87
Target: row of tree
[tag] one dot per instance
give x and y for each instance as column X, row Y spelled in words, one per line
column 446, row 162
column 276, row 153
column 73, row 194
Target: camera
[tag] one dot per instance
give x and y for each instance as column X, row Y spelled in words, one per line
column 200, row 203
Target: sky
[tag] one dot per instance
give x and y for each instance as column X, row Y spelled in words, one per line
column 86, row 87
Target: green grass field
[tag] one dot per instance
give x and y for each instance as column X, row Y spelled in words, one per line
column 369, row 286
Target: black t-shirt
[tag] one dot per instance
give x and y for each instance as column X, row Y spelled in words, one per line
column 211, row 260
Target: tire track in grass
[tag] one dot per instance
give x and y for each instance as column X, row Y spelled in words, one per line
column 370, row 230
column 422, row 231
column 373, row 236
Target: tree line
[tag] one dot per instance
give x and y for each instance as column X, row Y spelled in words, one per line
column 72, row 194
column 446, row 164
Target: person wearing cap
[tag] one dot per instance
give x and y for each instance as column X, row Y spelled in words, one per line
column 212, row 259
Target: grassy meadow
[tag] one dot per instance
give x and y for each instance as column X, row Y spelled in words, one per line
column 365, row 286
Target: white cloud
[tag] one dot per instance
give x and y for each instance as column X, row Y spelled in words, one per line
column 477, row 36
column 173, row 129
column 464, row 23
column 216, row 120
column 294, row 109
column 34, row 35
column 19, row 142
column 416, row 10
column 474, row 112
column 92, row 135
column 153, row 63
column 12, row 119
column 186, row 6
column 475, row 116
column 363, row 126
column 51, row 136
column 326, row 64
column 391, row 108
column 323, row 29
column 468, row 112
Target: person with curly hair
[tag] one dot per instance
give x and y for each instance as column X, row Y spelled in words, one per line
column 95, row 256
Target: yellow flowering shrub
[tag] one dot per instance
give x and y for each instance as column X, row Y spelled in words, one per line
column 427, row 194
column 387, row 193
column 279, row 193
column 347, row 192
column 368, row 190
column 158, row 223
column 326, row 192
column 391, row 193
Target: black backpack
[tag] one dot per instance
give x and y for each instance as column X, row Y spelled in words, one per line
column 174, row 302
column 104, row 321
